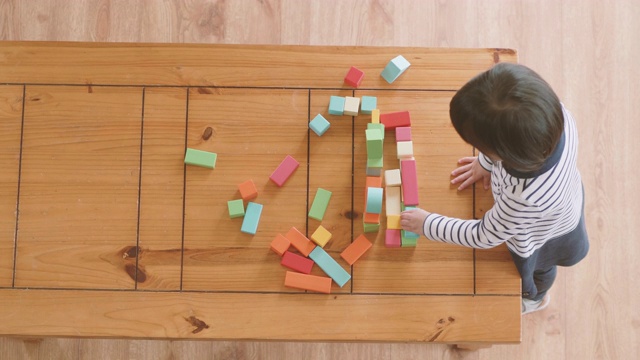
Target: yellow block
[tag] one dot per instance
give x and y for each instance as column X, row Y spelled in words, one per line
column 375, row 116
column 321, row 236
column 393, row 222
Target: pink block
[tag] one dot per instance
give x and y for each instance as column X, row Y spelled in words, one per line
column 409, row 175
column 403, row 133
column 284, row 170
column 395, row 119
column 296, row 262
column 393, row 238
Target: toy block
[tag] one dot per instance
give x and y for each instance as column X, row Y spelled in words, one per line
column 403, row 133
column 393, row 222
column 319, row 125
column 368, row 228
column 300, row 281
column 300, row 242
column 336, row 105
column 372, row 181
column 392, row 238
column 374, row 144
column 371, row 218
column 368, row 104
column 251, row 218
column 374, row 200
column 409, row 182
column 284, row 171
column 374, row 171
column 248, row 190
column 396, row 67
column 375, row 163
column 296, row 262
column 236, row 208
column 356, row 249
column 408, row 241
column 392, row 177
column 409, row 234
column 395, row 119
column 404, row 149
column 321, row 236
column 351, row 106
column 329, row 266
column 379, row 127
column 354, row 77
column 320, row 203
column 280, row 244
column 200, row 158
column 375, row 116
column 393, row 201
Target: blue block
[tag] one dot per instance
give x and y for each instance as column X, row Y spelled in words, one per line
column 368, row 103
column 374, row 200
column 336, row 105
column 319, row 125
column 329, row 266
column 251, row 218
column 395, row 68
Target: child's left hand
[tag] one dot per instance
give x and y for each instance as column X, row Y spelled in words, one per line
column 413, row 220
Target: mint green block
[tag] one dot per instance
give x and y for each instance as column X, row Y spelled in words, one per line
column 374, row 143
column 329, row 266
column 375, row 163
column 336, row 105
column 369, row 228
column 236, row 208
column 378, row 126
column 320, row 203
column 200, row 158
column 409, row 242
column 368, row 104
column 374, row 200
column 251, row 218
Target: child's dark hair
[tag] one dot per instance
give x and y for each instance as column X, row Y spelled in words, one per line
column 509, row 111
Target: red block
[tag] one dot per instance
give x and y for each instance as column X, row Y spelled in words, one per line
column 409, row 175
column 284, row 170
column 395, row 119
column 354, row 77
column 296, row 262
column 393, row 238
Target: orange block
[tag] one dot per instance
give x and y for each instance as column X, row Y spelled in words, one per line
column 354, row 251
column 300, row 281
column 280, row 244
column 248, row 190
column 371, row 218
column 300, row 242
column 372, row 181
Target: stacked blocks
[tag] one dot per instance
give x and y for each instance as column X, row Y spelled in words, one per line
column 336, row 105
column 396, row 119
column 248, row 190
column 368, row 104
column 251, row 218
column 320, row 203
column 280, row 244
column 395, row 68
column 356, row 249
column 351, row 106
column 200, row 158
column 392, row 177
column 321, row 236
column 329, row 266
column 236, row 208
column 354, row 77
column 284, row 170
column 405, row 149
column 319, row 125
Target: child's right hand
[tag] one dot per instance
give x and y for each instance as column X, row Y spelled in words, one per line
column 469, row 172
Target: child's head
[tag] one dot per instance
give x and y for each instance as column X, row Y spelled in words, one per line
column 510, row 113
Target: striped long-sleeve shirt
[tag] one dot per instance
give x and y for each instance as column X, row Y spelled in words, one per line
column 529, row 209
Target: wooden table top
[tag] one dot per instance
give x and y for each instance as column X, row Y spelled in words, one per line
column 104, row 232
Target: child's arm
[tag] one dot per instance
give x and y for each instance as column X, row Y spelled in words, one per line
column 471, row 171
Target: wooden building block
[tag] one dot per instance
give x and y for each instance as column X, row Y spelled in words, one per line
column 374, row 144
column 320, row 203
column 371, row 218
column 284, row 171
column 409, row 182
column 330, row 266
column 374, row 200
column 408, row 239
column 392, row 238
column 280, row 244
column 296, row 262
column 403, row 133
column 319, row 125
column 236, row 208
column 321, row 236
column 356, row 249
column 369, row 228
column 375, row 116
column 351, row 106
column 377, row 171
column 379, row 127
column 336, row 105
column 368, row 104
column 372, row 181
column 200, row 158
column 300, row 281
column 248, row 190
column 300, row 242
column 251, row 218
column 393, row 222
column 392, row 178
column 404, row 149
column 354, row 77
column 393, row 201
column 396, row 67
column 395, row 119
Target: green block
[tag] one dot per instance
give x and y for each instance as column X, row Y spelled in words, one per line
column 409, row 234
column 375, row 163
column 236, row 208
column 251, row 218
column 200, row 158
column 369, row 228
column 374, row 143
column 320, row 203
column 378, row 126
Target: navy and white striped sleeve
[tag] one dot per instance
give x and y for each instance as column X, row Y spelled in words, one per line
column 485, row 162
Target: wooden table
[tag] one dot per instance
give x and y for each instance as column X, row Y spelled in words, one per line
column 105, row 233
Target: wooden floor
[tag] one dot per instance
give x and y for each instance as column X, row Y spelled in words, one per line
column 588, row 52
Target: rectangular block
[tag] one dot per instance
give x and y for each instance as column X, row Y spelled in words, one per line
column 200, row 158
column 393, row 201
column 403, row 133
column 374, row 200
column 320, row 203
column 392, row 178
column 280, row 244
column 251, row 218
column 330, row 266
column 392, row 238
column 368, row 104
column 371, row 218
column 375, row 163
column 284, row 170
column 319, row 125
column 351, row 106
column 354, row 77
column 374, row 144
column 296, row 262
column 299, row 241
column 409, row 182
column 236, row 208
column 372, row 181
column 248, row 190
column 375, row 172
column 408, row 241
column 336, row 105
column 393, row 222
column 357, row 248
column 375, row 116
column 300, row 281
column 404, row 149
column 395, row 119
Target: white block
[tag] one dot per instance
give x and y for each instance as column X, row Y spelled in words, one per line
column 405, row 149
column 351, row 106
column 393, row 200
column 392, row 177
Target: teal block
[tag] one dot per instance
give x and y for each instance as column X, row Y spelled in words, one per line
column 319, row 125
column 367, row 104
column 200, row 158
column 374, row 200
column 374, row 143
column 236, row 208
column 409, row 242
column 336, row 105
column 378, row 126
column 329, row 266
column 395, row 68
column 320, row 203
column 409, row 234
column 251, row 218
column 369, row 228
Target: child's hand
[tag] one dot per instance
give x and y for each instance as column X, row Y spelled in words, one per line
column 470, row 172
column 413, row 220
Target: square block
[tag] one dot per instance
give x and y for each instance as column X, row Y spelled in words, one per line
column 378, row 126
column 377, row 171
column 280, row 244
column 200, row 158
column 392, row 238
column 319, row 125
column 396, row 67
column 403, row 133
column 351, row 106
column 392, row 177
column 336, row 105
column 368, row 228
column 409, row 234
column 321, row 236
column 248, row 190
column 251, row 218
column 375, row 163
column 354, row 77
column 368, row 104
column 393, row 222
column 371, row 218
column 236, row 208
column 374, row 200
column 405, row 149
column 374, row 144
column 408, row 241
